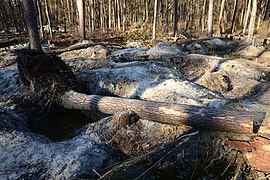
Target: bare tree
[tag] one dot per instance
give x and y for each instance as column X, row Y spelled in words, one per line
column 92, row 15
column 166, row 17
column 40, row 18
column 175, row 18
column 32, row 27
column 48, row 18
column 202, row 15
column 234, row 14
column 247, row 16
column 155, row 20
column 220, row 16
column 210, row 18
column 124, row 16
column 80, row 4
column 252, row 22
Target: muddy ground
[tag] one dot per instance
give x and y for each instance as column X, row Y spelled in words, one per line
column 42, row 140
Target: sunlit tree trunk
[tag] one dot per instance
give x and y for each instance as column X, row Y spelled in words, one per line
column 32, row 26
column 210, row 18
column 80, row 4
column 118, row 15
column 220, row 16
column 155, row 20
column 110, row 13
column 68, row 13
column 247, row 16
column 124, row 16
column 252, row 22
column 92, row 16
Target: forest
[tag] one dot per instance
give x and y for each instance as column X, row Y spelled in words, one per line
column 141, row 18
column 139, row 89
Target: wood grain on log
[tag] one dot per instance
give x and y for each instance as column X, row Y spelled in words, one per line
column 169, row 113
column 256, row 152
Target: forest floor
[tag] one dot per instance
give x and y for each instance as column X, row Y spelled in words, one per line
column 42, row 140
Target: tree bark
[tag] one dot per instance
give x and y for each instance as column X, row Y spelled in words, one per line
column 252, row 22
column 93, row 16
column 234, row 14
column 176, row 114
column 32, row 25
column 175, row 18
column 48, row 18
column 202, row 16
column 124, row 16
column 166, row 17
column 40, row 19
column 210, row 18
column 267, row 11
column 118, row 16
column 80, row 4
column 247, row 16
column 155, row 20
column 220, row 16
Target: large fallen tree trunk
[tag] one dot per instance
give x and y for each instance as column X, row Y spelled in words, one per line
column 51, row 78
column 169, row 113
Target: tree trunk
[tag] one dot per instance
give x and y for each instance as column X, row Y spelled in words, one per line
column 267, row 11
column 252, row 22
column 40, row 19
column 175, row 22
column 234, row 14
column 118, row 16
column 68, row 13
column 48, row 18
column 56, row 13
column 110, row 14
column 124, row 16
column 32, row 25
column 220, row 16
column 247, row 16
column 155, row 20
column 210, row 18
column 202, row 117
column 13, row 15
column 166, row 18
column 93, row 16
column 202, row 15
column 80, row 4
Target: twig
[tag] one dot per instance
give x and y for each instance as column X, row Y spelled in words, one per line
column 96, row 172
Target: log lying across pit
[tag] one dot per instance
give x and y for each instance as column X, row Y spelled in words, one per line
column 51, row 78
column 169, row 113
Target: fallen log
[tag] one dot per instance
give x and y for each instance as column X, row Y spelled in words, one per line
column 75, row 47
column 8, row 42
column 52, row 79
column 169, row 113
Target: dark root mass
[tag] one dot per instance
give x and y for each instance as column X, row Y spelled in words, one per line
column 46, row 74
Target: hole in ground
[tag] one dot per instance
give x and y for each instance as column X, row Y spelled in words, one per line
column 62, row 124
